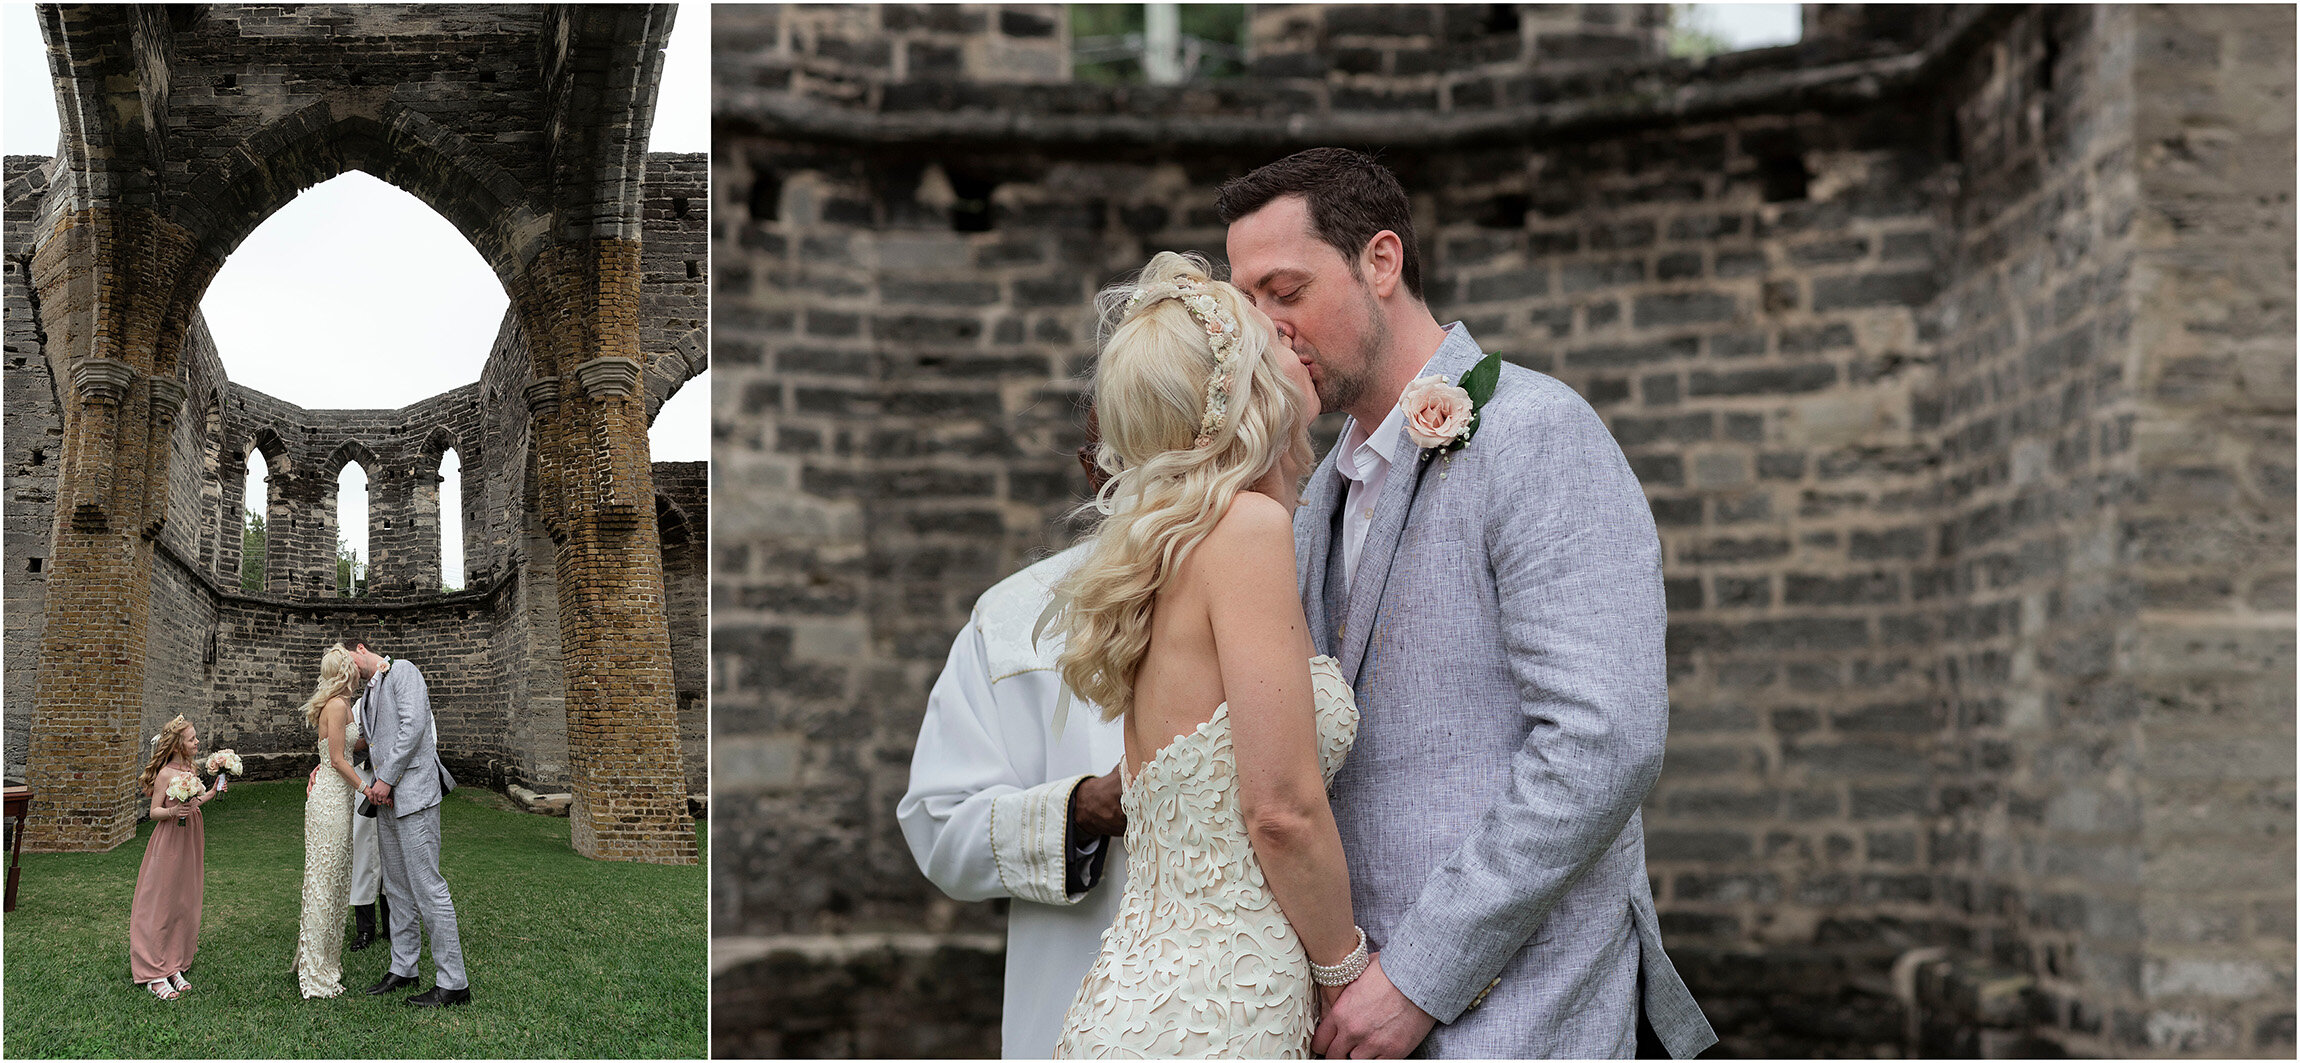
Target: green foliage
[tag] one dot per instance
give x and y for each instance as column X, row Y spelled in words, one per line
column 1688, row 40
column 1480, row 381
column 350, row 571
column 569, row 957
column 1106, row 41
column 252, row 552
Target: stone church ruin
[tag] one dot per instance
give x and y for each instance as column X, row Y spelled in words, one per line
column 572, row 658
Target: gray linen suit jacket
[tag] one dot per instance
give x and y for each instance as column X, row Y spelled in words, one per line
column 1503, row 633
column 401, row 744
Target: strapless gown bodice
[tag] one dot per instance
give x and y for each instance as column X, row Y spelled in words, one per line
column 1200, row 961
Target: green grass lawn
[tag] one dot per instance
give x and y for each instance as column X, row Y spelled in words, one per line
column 568, row 957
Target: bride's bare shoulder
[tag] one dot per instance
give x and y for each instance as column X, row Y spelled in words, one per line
column 1255, row 530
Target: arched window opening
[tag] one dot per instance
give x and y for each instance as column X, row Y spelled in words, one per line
column 255, row 502
column 450, row 521
column 351, row 531
column 682, row 427
column 334, row 270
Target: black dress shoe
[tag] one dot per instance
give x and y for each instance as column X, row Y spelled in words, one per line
column 391, row 982
column 364, row 918
column 435, row 997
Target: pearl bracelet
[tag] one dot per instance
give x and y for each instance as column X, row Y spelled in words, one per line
column 1348, row 970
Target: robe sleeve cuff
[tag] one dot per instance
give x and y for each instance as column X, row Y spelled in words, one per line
column 1030, row 840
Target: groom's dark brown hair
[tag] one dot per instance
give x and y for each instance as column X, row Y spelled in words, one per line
column 1351, row 197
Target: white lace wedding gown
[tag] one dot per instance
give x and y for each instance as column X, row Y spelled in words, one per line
column 1200, row 961
column 326, row 875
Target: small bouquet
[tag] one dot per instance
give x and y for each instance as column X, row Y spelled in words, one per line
column 224, row 760
column 186, row 787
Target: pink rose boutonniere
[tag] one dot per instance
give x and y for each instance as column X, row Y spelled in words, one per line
column 1441, row 416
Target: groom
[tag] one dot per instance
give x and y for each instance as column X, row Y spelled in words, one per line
column 1499, row 613
column 395, row 715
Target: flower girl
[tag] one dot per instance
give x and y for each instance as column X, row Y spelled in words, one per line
column 164, row 922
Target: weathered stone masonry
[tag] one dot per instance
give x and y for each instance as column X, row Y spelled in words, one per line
column 526, row 128
column 1954, row 347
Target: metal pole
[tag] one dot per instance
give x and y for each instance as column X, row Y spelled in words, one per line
column 1162, row 44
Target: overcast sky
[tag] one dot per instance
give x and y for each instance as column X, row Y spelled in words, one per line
column 1750, row 25
column 355, row 295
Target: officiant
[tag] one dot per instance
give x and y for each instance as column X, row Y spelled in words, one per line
column 1001, row 806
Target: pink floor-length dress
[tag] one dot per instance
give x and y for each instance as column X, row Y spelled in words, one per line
column 164, row 922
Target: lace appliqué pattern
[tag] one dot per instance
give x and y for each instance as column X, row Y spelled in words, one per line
column 327, row 813
column 1200, row 961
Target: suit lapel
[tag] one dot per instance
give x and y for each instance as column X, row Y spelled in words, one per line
column 1313, row 541
column 1373, row 574
column 1454, row 357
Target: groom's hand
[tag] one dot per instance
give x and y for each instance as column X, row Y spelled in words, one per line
column 1095, row 807
column 379, row 792
column 1372, row 1020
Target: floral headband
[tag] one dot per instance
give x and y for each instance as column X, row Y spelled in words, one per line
column 164, row 728
column 1221, row 334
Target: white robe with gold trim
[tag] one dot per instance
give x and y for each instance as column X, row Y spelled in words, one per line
column 987, row 813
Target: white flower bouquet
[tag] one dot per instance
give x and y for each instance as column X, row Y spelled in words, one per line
column 224, row 760
column 186, row 787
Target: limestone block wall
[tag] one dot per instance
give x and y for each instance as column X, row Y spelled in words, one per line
column 234, row 70
column 2207, row 539
column 682, row 512
column 1967, row 518
column 33, row 446
column 674, row 263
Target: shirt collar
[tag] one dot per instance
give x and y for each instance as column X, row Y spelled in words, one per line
column 1369, row 452
column 1364, row 450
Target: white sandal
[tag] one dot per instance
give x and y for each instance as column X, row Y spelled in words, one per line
column 161, row 989
column 177, row 979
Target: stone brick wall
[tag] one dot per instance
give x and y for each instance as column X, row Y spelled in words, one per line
column 682, row 512
column 674, row 263
column 2207, row 539
column 33, row 444
column 2029, row 842
column 852, row 53
column 1969, row 454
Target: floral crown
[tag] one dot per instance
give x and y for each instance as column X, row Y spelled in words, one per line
column 1221, row 334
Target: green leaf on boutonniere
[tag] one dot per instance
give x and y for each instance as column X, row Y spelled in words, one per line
column 1480, row 381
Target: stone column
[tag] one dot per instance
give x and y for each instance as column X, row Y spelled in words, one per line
column 299, row 533
column 229, row 521
column 403, row 531
column 579, row 301
column 105, row 277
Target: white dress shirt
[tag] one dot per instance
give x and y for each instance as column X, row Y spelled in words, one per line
column 1365, row 462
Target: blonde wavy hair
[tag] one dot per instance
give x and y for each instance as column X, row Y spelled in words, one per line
column 165, row 746
column 1165, row 492
column 338, row 677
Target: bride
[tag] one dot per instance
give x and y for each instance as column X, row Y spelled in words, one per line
column 1184, row 621
column 327, row 828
